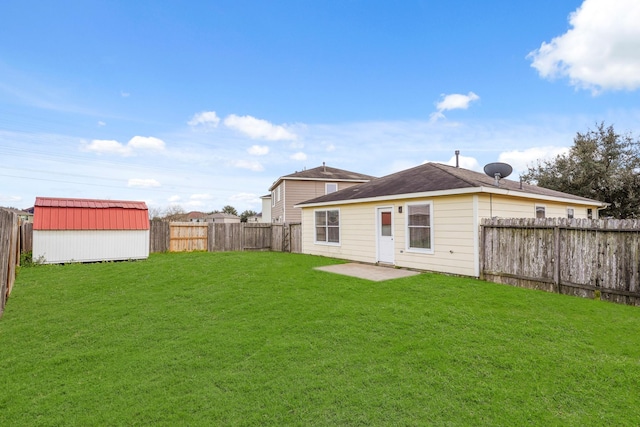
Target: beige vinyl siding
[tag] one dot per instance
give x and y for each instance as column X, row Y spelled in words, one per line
column 299, row 191
column 509, row 207
column 453, row 245
column 453, row 235
column 357, row 234
column 455, row 229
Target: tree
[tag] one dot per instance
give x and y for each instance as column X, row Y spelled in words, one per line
column 230, row 210
column 246, row 214
column 601, row 165
column 174, row 213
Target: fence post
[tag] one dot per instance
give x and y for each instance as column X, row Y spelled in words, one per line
column 556, row 258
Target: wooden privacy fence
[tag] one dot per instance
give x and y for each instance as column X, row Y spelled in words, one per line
column 212, row 237
column 587, row 258
column 9, row 253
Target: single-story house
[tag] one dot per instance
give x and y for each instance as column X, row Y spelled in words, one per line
column 88, row 230
column 427, row 217
column 222, row 218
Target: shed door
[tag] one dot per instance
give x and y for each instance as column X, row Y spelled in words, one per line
column 385, row 235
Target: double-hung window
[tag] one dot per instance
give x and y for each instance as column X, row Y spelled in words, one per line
column 420, row 227
column 328, row 226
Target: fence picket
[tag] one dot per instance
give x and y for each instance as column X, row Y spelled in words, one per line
column 577, row 257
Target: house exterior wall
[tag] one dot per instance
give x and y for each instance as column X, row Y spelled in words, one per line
column 456, row 222
column 266, row 210
column 453, row 246
column 293, row 192
column 510, row 207
column 59, row 246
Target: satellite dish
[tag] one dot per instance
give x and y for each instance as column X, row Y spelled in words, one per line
column 498, row 170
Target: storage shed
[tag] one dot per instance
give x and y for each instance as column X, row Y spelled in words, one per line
column 88, row 230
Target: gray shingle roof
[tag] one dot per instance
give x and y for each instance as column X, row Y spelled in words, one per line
column 325, row 173
column 431, row 177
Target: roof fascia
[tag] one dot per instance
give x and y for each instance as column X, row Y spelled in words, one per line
column 455, row 192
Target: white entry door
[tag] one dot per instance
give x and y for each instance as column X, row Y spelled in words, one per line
column 385, row 235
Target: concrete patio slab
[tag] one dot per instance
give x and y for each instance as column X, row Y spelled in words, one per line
column 367, row 271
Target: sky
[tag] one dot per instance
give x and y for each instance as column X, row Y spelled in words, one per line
column 205, row 104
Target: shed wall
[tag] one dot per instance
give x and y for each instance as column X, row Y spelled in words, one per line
column 60, row 246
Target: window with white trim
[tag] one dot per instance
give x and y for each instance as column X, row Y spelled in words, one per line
column 273, row 198
column 278, row 192
column 327, row 224
column 540, row 211
column 570, row 213
column 420, row 226
column 330, row 187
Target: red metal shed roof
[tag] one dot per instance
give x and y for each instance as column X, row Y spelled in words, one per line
column 89, row 214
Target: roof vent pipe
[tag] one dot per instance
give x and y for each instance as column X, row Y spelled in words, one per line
column 324, row 168
column 457, row 158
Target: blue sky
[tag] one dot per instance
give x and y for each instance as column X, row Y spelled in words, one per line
column 205, row 104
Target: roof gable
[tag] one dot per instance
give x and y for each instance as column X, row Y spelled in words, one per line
column 324, row 173
column 436, row 177
column 89, row 214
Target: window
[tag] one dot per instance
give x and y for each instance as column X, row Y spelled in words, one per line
column 589, row 213
column 420, row 227
column 273, row 198
column 278, row 193
column 569, row 213
column 385, row 224
column 540, row 212
column 330, row 187
column 328, row 226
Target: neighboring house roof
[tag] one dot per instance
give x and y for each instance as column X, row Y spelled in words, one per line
column 18, row 211
column 433, row 179
column 324, row 173
column 221, row 215
column 196, row 215
column 89, row 214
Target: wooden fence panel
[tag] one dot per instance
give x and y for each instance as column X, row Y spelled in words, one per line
column 9, row 254
column 577, row 257
column 159, row 236
column 26, row 237
column 257, row 237
column 295, row 238
column 277, row 235
column 188, row 236
column 212, row 237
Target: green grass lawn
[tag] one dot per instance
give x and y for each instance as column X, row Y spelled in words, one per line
column 263, row 339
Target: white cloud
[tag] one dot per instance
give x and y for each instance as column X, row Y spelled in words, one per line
column 247, row 164
column 206, row 118
column 146, row 143
column 245, row 197
column 258, row 150
column 201, row 196
column 520, row 160
column 258, row 128
column 600, row 52
column 7, row 200
column 143, row 183
column 331, row 148
column 465, row 162
column 454, row 101
column 101, row 123
column 298, row 156
column 110, row 146
column 107, row 146
column 174, row 199
column 124, row 94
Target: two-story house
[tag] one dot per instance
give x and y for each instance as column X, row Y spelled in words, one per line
column 289, row 190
